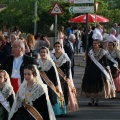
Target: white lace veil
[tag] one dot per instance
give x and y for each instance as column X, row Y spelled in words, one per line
column 53, row 64
column 16, row 104
column 70, row 75
column 67, row 59
column 7, row 82
column 58, row 79
column 44, row 86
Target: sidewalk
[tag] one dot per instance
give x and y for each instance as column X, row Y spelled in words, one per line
column 79, row 60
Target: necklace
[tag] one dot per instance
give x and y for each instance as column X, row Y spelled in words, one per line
column 28, row 92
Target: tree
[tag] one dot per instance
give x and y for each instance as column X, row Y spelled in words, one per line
column 22, row 14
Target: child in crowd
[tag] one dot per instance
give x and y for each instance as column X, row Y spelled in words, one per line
column 32, row 101
column 6, row 95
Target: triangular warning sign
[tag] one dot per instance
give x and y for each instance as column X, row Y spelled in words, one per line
column 56, row 9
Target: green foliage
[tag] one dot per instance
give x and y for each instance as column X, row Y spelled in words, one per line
column 19, row 14
column 105, row 9
column 4, row 1
column 113, row 4
column 22, row 14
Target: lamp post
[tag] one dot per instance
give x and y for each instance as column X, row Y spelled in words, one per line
column 96, row 8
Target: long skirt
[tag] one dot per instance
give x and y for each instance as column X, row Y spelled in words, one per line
column 117, row 83
column 116, row 76
column 95, row 84
column 72, row 101
column 59, row 108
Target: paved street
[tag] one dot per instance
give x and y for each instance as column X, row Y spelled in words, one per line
column 108, row 109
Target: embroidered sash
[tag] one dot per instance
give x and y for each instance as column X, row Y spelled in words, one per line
column 65, row 78
column 32, row 111
column 4, row 102
column 111, row 58
column 51, row 85
column 102, row 69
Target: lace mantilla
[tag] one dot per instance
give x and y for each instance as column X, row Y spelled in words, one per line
column 98, row 55
column 115, row 53
column 61, row 60
column 34, row 93
column 45, row 65
column 7, row 91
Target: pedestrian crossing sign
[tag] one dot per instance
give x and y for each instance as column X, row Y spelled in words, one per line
column 56, row 9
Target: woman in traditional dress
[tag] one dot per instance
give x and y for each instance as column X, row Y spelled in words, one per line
column 61, row 35
column 62, row 61
column 50, row 77
column 6, row 95
column 96, row 82
column 113, row 55
column 32, row 101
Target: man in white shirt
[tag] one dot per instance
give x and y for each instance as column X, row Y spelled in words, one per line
column 112, row 37
column 15, row 64
column 97, row 33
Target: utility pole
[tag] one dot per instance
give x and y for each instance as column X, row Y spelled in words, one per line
column 35, row 15
column 55, row 28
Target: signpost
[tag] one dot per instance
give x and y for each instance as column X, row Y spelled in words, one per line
column 77, row 9
column 83, row 9
column 56, row 10
column 80, row 1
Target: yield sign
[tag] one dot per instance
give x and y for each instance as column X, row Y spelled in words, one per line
column 56, row 9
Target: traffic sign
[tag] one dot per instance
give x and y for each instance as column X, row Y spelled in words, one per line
column 56, row 9
column 85, row 9
column 80, row 1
